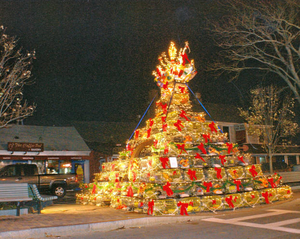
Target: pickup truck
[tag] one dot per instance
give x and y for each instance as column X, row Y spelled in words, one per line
column 55, row 184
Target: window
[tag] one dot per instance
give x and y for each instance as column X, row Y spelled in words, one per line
column 226, row 130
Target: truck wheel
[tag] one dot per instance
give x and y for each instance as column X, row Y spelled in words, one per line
column 59, row 191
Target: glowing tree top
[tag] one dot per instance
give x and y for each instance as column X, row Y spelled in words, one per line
column 176, row 68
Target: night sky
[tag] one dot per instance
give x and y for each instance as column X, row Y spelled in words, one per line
column 95, row 58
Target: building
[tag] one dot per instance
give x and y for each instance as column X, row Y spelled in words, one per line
column 52, row 149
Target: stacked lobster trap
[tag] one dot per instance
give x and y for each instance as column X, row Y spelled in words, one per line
column 179, row 162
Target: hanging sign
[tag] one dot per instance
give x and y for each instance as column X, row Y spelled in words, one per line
column 25, row 147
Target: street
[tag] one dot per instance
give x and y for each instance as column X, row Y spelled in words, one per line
column 280, row 220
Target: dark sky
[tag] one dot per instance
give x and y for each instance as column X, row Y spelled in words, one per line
column 95, row 58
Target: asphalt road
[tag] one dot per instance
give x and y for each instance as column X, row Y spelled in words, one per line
column 280, row 220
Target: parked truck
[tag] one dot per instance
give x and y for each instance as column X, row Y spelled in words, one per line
column 56, row 184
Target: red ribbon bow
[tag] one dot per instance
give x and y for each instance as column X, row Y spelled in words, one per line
column 219, row 170
column 151, row 122
column 271, row 181
column 212, row 127
column 201, row 147
column 166, row 150
column 241, row 158
column 168, row 189
column 229, row 201
column 183, row 208
column 181, row 147
column 178, row 125
column 149, row 132
column 266, row 195
column 199, row 157
column 223, row 160
column 137, row 134
column 165, row 86
column 192, row 174
column 253, row 171
column 206, row 137
column 164, row 161
column 163, row 119
column 229, row 146
column 94, row 189
column 208, row 185
column 183, row 115
column 150, row 207
column 238, row 183
column 182, row 89
column 164, row 127
column 129, row 191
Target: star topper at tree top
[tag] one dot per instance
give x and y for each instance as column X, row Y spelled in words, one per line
column 175, row 69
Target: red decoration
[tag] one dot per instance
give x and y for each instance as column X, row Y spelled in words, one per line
column 271, row 181
column 229, row 201
column 174, row 172
column 164, row 162
column 183, row 115
column 181, row 147
column 192, row 174
column 212, row 127
column 129, row 191
column 201, row 147
column 149, row 132
column 182, row 89
column 183, row 208
column 151, row 122
column 214, row 202
column 165, row 127
column 168, row 189
column 155, row 143
column 94, row 189
column 166, row 150
column 199, row 157
column 266, row 195
column 113, row 167
column 241, row 158
column 253, row 171
column 134, row 176
column 229, row 146
column 137, row 134
column 208, row 185
column 238, row 183
column 252, row 196
column 165, row 86
column 164, row 107
column 184, row 57
column 178, row 125
column 223, row 160
column 150, row 207
column 206, row 137
column 117, row 177
column 128, row 148
column 163, row 119
column 158, row 72
column 219, row 170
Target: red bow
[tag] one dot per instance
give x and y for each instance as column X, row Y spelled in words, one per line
column 183, row 209
column 230, row 146
column 129, row 191
column 223, row 160
column 214, row 202
column 168, row 189
column 229, row 201
column 207, row 185
column 151, row 122
column 137, row 134
column 192, row 174
column 150, row 207
column 128, row 148
column 212, row 127
column 253, row 171
column 266, row 195
column 182, row 89
column 117, row 177
column 165, row 86
column 155, row 142
column 149, row 132
column 241, row 158
column 238, row 183
column 165, row 127
column 163, row 119
column 164, row 162
column 183, row 115
column 252, row 196
column 184, row 57
column 206, row 137
column 178, row 125
column 164, row 107
column 201, row 147
column 219, row 170
column 199, row 157
column 158, row 72
column 271, row 181
column 166, row 150
column 181, row 147
column 94, row 189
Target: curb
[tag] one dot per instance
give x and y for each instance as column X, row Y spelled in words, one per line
column 102, row 226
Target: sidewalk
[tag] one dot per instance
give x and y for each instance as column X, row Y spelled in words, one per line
column 67, row 219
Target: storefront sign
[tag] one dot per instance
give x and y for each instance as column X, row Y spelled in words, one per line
column 25, row 147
